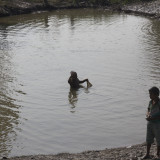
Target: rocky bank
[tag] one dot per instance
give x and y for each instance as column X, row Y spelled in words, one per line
column 10, row 7
column 135, row 152
column 14, row 7
column 146, row 8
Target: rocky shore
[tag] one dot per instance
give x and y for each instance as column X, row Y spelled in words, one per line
column 146, row 8
column 9, row 7
column 14, row 7
column 135, row 152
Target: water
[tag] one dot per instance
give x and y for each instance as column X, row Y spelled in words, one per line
column 39, row 114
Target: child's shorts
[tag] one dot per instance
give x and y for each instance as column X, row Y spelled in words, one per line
column 153, row 131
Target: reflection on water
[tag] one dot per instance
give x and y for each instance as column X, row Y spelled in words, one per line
column 73, row 96
column 9, row 121
column 9, row 111
column 152, row 47
column 120, row 55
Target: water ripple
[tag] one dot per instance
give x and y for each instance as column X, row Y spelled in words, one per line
column 118, row 53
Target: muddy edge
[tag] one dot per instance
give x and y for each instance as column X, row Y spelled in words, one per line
column 16, row 7
column 124, row 153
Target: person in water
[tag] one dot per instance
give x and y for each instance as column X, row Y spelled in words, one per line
column 74, row 81
column 153, row 124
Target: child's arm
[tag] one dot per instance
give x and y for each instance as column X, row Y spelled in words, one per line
column 153, row 117
column 85, row 80
column 148, row 118
column 70, row 80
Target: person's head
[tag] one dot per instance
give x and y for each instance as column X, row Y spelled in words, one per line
column 154, row 93
column 73, row 74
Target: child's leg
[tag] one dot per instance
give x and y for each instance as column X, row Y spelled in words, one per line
column 149, row 139
column 158, row 150
column 157, row 136
column 148, row 149
column 148, row 152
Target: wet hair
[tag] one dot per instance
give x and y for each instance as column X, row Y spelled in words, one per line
column 154, row 90
column 73, row 74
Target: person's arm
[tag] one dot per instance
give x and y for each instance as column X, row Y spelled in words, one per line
column 69, row 80
column 85, row 80
column 148, row 117
column 155, row 116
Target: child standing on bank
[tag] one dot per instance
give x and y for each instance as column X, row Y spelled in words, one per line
column 153, row 124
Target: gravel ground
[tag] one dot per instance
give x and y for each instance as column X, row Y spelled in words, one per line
column 135, row 152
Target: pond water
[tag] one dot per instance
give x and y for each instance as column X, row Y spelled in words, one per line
column 39, row 114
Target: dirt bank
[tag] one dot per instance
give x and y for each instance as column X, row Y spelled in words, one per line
column 146, row 8
column 135, row 152
column 14, row 7
column 10, row 7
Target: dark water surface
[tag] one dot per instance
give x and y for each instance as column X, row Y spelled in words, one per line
column 39, row 114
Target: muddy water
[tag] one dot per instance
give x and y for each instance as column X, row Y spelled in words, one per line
column 40, row 114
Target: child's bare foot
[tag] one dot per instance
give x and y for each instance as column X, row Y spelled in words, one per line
column 146, row 157
column 157, row 157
